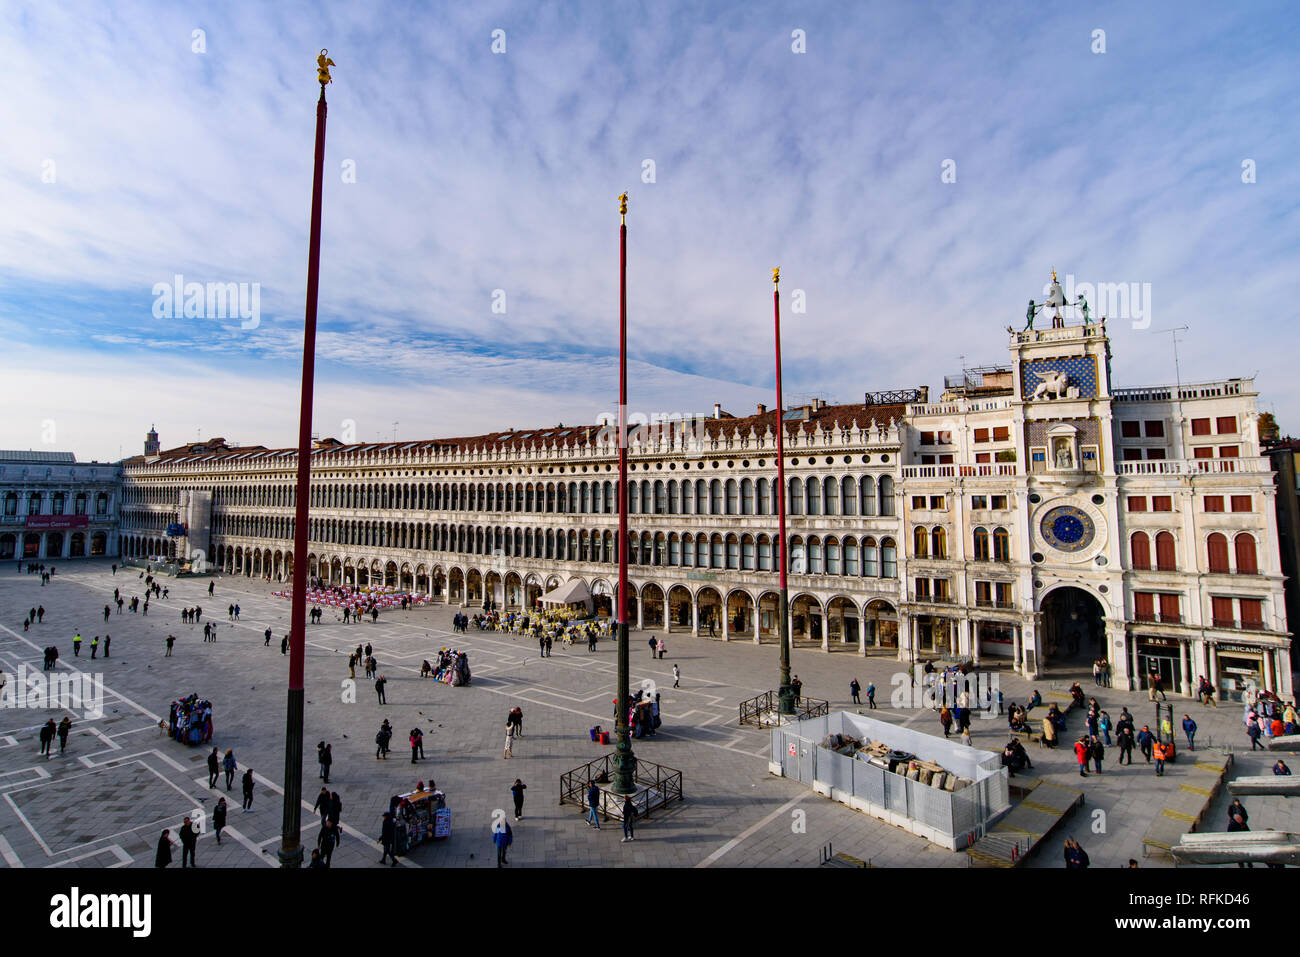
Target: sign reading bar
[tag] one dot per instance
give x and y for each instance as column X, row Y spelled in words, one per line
column 58, row 521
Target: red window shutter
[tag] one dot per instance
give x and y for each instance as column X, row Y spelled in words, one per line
column 1141, row 551
column 1144, row 606
column 1130, row 430
column 1214, row 503
column 1228, row 452
column 1221, row 611
column 1226, row 425
column 1155, row 430
column 1162, row 503
column 983, row 456
column 1137, row 503
column 1001, row 433
column 1252, row 612
column 1204, row 452
column 1218, row 545
column 1166, row 561
column 1200, row 426
column 1169, row 608
column 1241, row 503
column 1247, row 561
column 1131, row 455
column 981, row 435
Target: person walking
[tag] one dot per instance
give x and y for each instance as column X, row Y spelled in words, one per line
column 1081, row 756
column 379, row 689
column 593, row 802
column 677, row 677
column 47, row 737
column 1145, row 740
column 387, row 837
column 189, row 841
column 228, row 765
column 352, row 666
column 214, row 769
column 267, row 635
column 1097, row 751
column 163, row 856
column 326, row 759
column 284, row 650
column 1237, row 809
column 219, row 818
column 629, row 820
column 94, row 648
column 381, row 739
column 1158, row 748
column 654, row 646
column 797, row 686
column 108, row 639
column 871, row 696
column 326, row 841
column 236, row 612
column 248, row 790
column 76, row 645
column 1189, row 729
column 322, row 805
column 502, row 837
column 517, row 792
column 945, row 719
column 1253, row 732
column 335, row 816
column 1125, row 739
column 171, row 640
column 510, row 739
column 415, row 744
column 854, row 690
column 65, row 728
column 1076, row 858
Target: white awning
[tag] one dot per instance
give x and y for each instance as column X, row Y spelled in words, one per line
column 570, row 594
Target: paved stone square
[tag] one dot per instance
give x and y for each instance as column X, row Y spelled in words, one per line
column 104, row 803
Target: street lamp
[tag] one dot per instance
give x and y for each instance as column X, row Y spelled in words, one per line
column 785, row 693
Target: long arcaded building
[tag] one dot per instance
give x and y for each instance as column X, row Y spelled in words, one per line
column 1033, row 514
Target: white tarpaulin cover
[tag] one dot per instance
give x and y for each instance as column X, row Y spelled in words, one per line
column 570, row 594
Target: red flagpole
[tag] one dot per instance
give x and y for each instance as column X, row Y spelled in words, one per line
column 785, row 694
column 290, row 853
column 624, row 761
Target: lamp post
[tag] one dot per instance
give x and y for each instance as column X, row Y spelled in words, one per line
column 624, row 760
column 290, row 852
column 785, row 693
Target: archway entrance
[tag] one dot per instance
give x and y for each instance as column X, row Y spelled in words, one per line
column 1073, row 629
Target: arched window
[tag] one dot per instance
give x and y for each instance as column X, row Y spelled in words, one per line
column 1001, row 545
column 814, row 494
column 660, row 495
column 715, row 560
column 1140, row 551
column 888, row 559
column 702, row 552
column 733, row 497
column 938, row 543
column 764, row 554
column 831, row 495
column 851, row 566
column 701, row 497
column 764, row 497
column 794, row 505
column 674, row 546
column 1166, row 559
column 814, row 555
column 981, row 542
column 646, row 503
column 674, row 498
column 733, row 552
column 1247, row 557
column 869, row 500
column 886, row 495
column 746, row 497
column 633, row 498
column 832, row 557
column 1218, row 549
column 849, row 495
column 920, row 542
column 747, row 553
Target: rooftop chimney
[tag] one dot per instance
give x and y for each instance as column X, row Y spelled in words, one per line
column 717, row 410
column 761, row 408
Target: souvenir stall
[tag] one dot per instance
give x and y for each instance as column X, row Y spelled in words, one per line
column 453, row 667
column 422, row 815
column 190, row 720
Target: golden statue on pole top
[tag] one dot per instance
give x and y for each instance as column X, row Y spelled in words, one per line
column 776, row 275
column 323, row 64
column 622, row 206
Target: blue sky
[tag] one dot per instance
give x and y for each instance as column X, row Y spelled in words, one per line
column 478, row 171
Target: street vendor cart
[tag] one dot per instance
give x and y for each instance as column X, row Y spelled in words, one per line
column 421, row 816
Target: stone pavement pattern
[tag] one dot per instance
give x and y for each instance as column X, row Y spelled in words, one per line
column 105, row 802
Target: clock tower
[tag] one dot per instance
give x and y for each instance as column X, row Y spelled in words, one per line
column 1063, row 428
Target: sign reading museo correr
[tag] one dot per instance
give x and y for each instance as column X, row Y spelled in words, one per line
column 58, row 521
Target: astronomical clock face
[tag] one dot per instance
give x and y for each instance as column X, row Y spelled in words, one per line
column 1067, row 528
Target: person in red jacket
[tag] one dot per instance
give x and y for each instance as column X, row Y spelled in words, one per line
column 1081, row 755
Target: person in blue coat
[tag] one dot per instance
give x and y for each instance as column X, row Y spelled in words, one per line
column 502, row 837
column 1189, row 728
column 593, row 802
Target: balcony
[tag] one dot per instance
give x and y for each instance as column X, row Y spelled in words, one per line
column 983, row 470
column 1193, row 466
column 1194, row 390
column 1225, row 623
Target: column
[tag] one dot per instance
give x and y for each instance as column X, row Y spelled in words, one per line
column 904, row 636
column 826, row 628
column 695, row 616
column 1270, row 680
column 726, row 620
column 640, row 612
column 1183, row 660
column 1017, row 642
column 975, row 642
column 1214, row 671
column 1135, row 673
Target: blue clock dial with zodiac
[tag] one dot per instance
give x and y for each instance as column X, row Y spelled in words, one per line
column 1068, row 529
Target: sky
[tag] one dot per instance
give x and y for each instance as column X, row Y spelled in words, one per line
column 917, row 171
